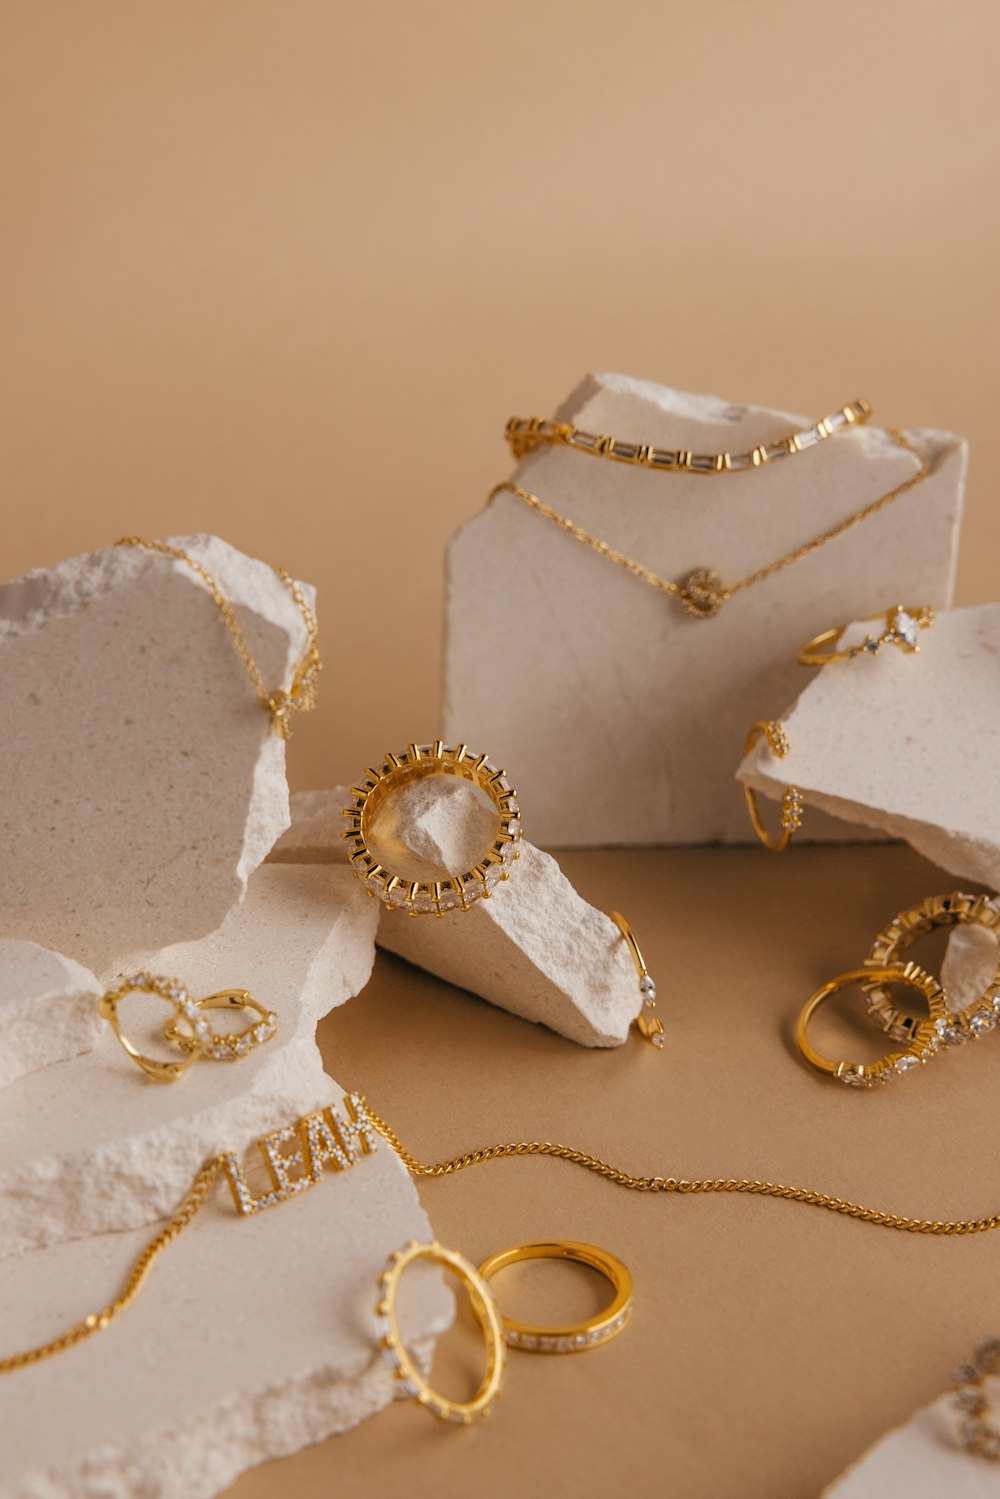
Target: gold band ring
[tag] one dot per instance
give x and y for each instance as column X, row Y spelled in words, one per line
column 978, row 1018
column 394, row 1351
column 922, row 1044
column 229, row 1045
column 175, row 994
column 578, row 1336
column 900, row 627
column 649, row 1025
column 791, row 801
column 457, row 892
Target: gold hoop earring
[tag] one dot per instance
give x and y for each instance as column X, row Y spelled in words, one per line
column 791, row 802
column 649, row 1026
column 175, row 994
column 226, row 1046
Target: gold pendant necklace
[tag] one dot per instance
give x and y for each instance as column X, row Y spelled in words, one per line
column 703, row 592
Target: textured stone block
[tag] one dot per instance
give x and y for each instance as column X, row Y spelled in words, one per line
column 48, row 1009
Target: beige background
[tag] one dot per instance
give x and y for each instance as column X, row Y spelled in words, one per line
column 281, row 270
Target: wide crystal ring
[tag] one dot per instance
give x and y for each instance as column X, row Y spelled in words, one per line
column 576, row 1337
column 900, row 627
column 403, row 1366
column 189, row 1030
column 978, row 1018
column 921, row 1046
column 456, row 892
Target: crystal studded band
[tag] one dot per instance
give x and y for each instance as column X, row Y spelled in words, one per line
column 577, row 1337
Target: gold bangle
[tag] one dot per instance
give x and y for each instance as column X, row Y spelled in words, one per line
column 923, row 1043
column 900, row 627
column 576, row 1337
column 978, row 1018
column 791, row 801
column 395, row 1353
column 225, row 1046
column 456, row 892
column 649, row 1026
column 175, row 994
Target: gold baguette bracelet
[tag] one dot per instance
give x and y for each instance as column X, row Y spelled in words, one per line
column 524, row 434
column 702, row 593
column 365, row 1118
column 301, row 696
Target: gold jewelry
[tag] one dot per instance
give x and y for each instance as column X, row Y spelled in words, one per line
column 791, row 801
column 702, row 593
column 526, row 433
column 900, row 629
column 301, row 696
column 230, row 1045
column 394, row 1351
column 457, row 892
column 175, row 994
column 576, row 1337
column 649, row 1025
column 922, row 1044
column 976, row 1019
column 978, row 1435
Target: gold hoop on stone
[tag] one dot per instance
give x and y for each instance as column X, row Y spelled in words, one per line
column 176, row 995
column 791, row 801
column 978, row 1018
column 922, row 1045
column 900, row 628
column 456, row 892
column 577, row 1337
column 225, row 1046
column 649, row 1025
column 394, row 1351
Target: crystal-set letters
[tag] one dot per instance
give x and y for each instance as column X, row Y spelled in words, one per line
column 317, row 1139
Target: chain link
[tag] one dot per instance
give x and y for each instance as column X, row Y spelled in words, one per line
column 301, row 696
column 703, row 593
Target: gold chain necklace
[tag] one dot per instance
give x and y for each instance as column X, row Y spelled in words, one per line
column 206, row 1178
column 702, row 593
column 301, row 696
column 525, row 433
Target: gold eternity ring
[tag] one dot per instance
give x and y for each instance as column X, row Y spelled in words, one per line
column 900, row 627
column 576, row 1337
column 923, row 1044
column 456, row 892
column 395, row 1353
column 978, row 1018
column 227, row 1046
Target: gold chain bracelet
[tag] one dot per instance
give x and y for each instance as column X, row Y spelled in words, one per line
column 524, row 434
column 702, row 593
column 301, row 696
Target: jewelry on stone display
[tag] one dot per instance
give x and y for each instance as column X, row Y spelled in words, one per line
column 524, row 434
column 457, row 892
column 920, row 1047
column 229, row 1045
column 404, row 1367
column 977, row 1433
column 900, row 628
column 791, row 801
column 649, row 1025
column 301, row 695
column 978, row 1018
column 200, row 1040
column 576, row 1337
column 702, row 593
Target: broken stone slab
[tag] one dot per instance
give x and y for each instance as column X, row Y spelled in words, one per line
column 92, row 1145
column 924, row 1459
column 142, row 780
column 905, row 744
column 48, row 1009
column 535, row 948
column 252, row 1337
column 630, row 713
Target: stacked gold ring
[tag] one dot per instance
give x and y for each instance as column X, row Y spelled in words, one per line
column 575, row 1337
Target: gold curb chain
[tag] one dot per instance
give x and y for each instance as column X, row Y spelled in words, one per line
column 301, row 696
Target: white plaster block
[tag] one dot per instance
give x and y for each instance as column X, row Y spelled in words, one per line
column 922, row 1459
column 92, row 1144
column 619, row 716
column 536, row 948
column 252, row 1338
column 142, row 780
column 48, row 1009
column 908, row 745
